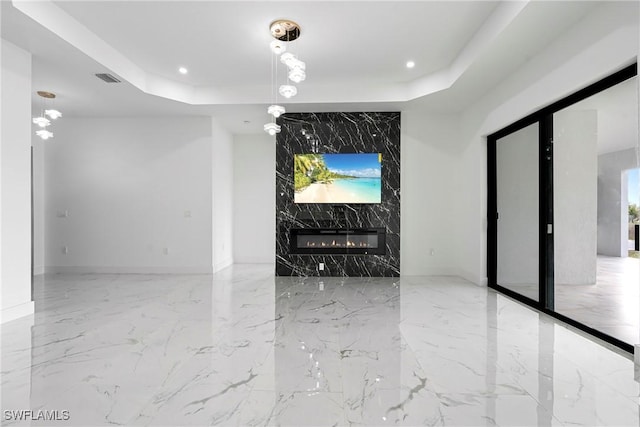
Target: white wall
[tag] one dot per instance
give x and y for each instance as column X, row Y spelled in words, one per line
column 254, row 198
column 429, row 150
column 605, row 41
column 613, row 205
column 15, row 183
column 129, row 195
column 38, row 203
column 470, row 207
column 221, row 159
column 575, row 194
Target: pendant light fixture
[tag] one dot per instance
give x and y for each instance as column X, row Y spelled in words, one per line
column 278, row 47
column 41, row 121
column 44, row 134
column 283, row 31
column 52, row 114
column 272, row 128
column 276, row 110
column 288, row 91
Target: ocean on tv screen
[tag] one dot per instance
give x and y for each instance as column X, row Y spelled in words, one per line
column 338, row 178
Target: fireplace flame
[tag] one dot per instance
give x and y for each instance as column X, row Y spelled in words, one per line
column 335, row 244
column 337, row 241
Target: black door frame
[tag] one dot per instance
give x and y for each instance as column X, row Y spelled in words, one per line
column 544, row 118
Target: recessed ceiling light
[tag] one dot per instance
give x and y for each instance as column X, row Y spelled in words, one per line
column 411, row 64
column 183, row 70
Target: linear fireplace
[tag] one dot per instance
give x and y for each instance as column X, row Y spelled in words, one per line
column 360, row 241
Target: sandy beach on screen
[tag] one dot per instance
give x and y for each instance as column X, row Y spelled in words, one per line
column 326, row 193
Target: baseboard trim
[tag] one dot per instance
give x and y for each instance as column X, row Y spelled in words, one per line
column 127, row 270
column 474, row 278
column 222, row 264
column 455, row 272
column 437, row 271
column 17, row 311
column 253, row 260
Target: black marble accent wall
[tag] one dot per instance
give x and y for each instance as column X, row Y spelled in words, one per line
column 304, row 133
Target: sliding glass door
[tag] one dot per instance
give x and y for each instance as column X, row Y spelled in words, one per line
column 597, row 278
column 517, row 188
column 561, row 205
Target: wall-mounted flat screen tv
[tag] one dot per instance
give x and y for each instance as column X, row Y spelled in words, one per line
column 338, row 178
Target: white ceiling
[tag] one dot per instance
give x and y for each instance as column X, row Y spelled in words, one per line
column 355, row 53
column 226, row 43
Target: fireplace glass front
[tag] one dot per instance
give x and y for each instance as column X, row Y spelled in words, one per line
column 362, row 241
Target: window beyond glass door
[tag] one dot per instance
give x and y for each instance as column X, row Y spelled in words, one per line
column 517, row 197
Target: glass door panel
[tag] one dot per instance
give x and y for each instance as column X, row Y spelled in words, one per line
column 595, row 144
column 517, row 199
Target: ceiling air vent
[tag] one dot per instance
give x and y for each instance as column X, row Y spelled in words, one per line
column 109, row 78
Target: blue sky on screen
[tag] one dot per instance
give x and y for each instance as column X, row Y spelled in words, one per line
column 360, row 165
column 634, row 184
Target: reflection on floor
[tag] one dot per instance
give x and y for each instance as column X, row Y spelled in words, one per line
column 612, row 305
column 244, row 348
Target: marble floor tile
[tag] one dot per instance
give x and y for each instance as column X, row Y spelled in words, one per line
column 244, row 348
column 273, row 408
column 611, row 305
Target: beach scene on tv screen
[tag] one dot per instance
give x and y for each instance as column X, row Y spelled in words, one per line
column 338, row 178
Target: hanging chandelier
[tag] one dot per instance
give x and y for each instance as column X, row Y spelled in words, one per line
column 46, row 115
column 283, row 31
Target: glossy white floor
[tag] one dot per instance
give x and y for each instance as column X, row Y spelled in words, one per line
column 245, row 348
column 611, row 305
